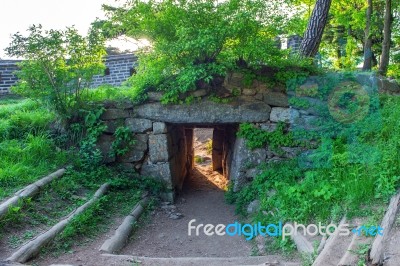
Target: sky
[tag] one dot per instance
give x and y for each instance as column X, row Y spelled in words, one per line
column 18, row 15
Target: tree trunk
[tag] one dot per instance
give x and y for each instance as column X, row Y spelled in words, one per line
column 315, row 28
column 387, row 35
column 367, row 39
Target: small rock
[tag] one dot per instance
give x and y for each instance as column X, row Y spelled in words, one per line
column 279, row 114
column 252, row 173
column 199, row 93
column 276, row 99
column 271, row 193
column 253, row 207
column 175, row 216
column 260, row 241
column 249, row 92
column 154, row 96
column 270, row 127
column 162, row 235
column 168, row 207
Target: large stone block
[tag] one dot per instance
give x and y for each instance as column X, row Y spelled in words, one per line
column 388, row 85
column 159, row 128
column 138, row 150
column 199, row 93
column 131, row 156
column 307, row 122
column 137, row 125
column 206, row 112
column 276, row 99
column 111, row 114
column 141, row 142
column 242, row 158
column 287, row 115
column 112, row 125
column 158, row 148
column 160, row 171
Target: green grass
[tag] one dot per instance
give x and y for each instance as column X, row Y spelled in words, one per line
column 107, row 92
column 24, row 161
column 126, row 191
column 64, row 195
column 27, row 151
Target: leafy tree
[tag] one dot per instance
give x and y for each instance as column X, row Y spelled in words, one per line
column 315, row 29
column 367, row 39
column 58, row 67
column 194, row 42
column 387, row 36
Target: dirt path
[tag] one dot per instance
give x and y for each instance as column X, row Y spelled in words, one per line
column 166, row 237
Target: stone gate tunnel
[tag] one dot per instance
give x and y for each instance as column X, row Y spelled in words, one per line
column 180, row 149
column 164, row 138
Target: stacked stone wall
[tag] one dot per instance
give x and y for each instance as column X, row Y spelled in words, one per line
column 7, row 75
column 118, row 69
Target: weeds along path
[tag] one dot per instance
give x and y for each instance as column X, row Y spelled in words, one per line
column 53, row 204
column 28, row 192
column 37, row 215
column 26, row 150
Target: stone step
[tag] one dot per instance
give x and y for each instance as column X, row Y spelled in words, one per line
column 122, row 260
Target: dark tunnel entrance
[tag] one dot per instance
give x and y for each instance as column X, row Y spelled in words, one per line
column 201, row 155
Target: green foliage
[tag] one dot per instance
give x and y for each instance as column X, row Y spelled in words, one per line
column 126, row 190
column 108, row 92
column 23, row 117
column 59, row 66
column 27, row 151
column 341, row 176
column 198, row 159
column 258, row 138
column 209, row 146
column 217, row 99
column 90, row 156
column 195, row 41
column 24, row 161
column 299, row 103
column 123, row 140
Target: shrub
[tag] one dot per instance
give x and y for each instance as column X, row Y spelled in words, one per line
column 59, row 65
